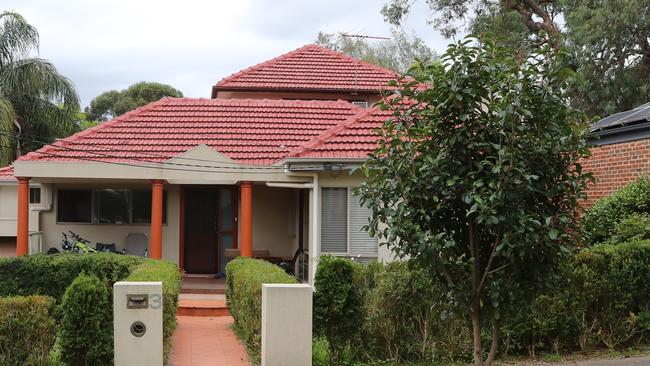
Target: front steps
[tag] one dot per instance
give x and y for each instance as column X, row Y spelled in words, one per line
column 202, row 296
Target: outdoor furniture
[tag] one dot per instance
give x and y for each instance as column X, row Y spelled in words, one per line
column 137, row 244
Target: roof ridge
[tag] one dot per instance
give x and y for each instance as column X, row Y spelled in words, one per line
column 322, row 138
column 64, row 142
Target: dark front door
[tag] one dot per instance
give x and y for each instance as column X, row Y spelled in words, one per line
column 201, row 223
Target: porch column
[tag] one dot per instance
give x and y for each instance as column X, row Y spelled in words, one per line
column 22, row 231
column 155, row 239
column 246, row 220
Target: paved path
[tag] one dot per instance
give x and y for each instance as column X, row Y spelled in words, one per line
column 630, row 361
column 200, row 341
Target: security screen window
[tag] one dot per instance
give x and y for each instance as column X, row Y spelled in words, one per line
column 74, row 205
column 112, row 206
column 141, row 206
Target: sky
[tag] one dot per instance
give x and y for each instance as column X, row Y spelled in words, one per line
column 190, row 44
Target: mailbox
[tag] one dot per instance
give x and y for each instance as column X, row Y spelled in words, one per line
column 137, row 323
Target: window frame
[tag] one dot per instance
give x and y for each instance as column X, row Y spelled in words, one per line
column 93, row 198
column 40, row 195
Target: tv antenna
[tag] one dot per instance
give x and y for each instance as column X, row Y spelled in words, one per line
column 363, row 36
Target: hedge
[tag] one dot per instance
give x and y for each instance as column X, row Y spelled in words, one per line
column 169, row 274
column 86, row 331
column 51, row 275
column 600, row 220
column 245, row 277
column 26, row 330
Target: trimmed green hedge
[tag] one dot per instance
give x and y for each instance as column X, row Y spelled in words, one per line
column 26, row 330
column 170, row 275
column 51, row 275
column 245, row 277
column 600, row 220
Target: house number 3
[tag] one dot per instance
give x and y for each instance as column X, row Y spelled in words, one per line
column 155, row 301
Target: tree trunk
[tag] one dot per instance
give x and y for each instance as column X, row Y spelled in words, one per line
column 476, row 333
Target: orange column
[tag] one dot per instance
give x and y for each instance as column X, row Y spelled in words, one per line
column 155, row 238
column 246, row 220
column 22, row 232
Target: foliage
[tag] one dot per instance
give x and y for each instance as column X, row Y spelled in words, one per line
column 600, row 221
column 52, row 274
column 245, row 277
column 478, row 179
column 169, row 274
column 114, row 103
column 609, row 40
column 26, row 330
column 30, row 89
column 634, row 227
column 614, row 285
column 86, row 331
column 338, row 303
column 396, row 53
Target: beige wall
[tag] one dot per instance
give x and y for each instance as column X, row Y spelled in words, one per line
column 275, row 220
column 8, row 209
column 113, row 233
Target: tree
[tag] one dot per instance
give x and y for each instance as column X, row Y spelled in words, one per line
column 609, row 40
column 397, row 53
column 114, row 103
column 478, row 178
column 30, row 90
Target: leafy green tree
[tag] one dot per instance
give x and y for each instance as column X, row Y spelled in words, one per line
column 396, row 53
column 478, row 178
column 114, row 103
column 30, row 89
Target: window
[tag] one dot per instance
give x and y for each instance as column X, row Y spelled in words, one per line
column 106, row 206
column 35, row 195
column 360, row 103
column 342, row 222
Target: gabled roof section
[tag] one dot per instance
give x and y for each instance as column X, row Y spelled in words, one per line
column 310, row 68
column 254, row 132
column 7, row 173
column 354, row 138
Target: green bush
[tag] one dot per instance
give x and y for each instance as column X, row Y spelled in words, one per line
column 26, row 330
column 411, row 318
column 86, row 330
column 614, row 286
column 169, row 274
column 51, row 275
column 632, row 228
column 245, row 277
column 601, row 219
column 338, row 303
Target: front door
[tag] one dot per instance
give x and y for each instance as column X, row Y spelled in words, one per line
column 209, row 228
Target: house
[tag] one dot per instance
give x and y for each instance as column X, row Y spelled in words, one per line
column 266, row 166
column 621, row 151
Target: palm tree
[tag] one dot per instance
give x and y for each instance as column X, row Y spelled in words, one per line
column 34, row 98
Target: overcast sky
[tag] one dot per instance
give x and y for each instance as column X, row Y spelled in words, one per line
column 190, row 44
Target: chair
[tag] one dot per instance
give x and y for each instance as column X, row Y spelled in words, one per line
column 137, row 244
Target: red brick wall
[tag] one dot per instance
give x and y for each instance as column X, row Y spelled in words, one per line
column 616, row 165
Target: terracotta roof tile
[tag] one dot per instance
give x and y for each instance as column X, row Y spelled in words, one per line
column 248, row 131
column 310, row 67
column 354, row 138
column 7, row 173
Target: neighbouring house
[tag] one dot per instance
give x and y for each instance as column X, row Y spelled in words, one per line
column 266, row 166
column 621, row 151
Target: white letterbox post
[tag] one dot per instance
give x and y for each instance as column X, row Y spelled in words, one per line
column 286, row 324
column 137, row 323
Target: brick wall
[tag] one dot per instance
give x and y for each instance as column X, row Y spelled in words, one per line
column 616, row 165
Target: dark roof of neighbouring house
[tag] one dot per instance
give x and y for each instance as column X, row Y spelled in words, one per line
column 624, row 126
column 310, row 68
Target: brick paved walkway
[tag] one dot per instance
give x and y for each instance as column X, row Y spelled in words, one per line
column 206, row 341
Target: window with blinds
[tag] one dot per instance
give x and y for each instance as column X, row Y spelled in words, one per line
column 342, row 222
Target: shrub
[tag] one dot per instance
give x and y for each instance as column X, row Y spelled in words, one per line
column 410, row 317
column 614, row 285
column 338, row 303
column 169, row 274
column 632, row 228
column 245, row 277
column 51, row 275
column 600, row 220
column 86, row 330
column 26, row 330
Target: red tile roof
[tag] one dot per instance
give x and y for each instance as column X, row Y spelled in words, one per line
column 354, row 138
column 247, row 131
column 7, row 173
column 310, row 67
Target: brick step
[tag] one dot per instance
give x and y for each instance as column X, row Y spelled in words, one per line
column 212, row 291
column 212, row 308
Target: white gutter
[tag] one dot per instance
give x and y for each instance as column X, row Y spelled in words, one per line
column 315, row 217
column 289, row 185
